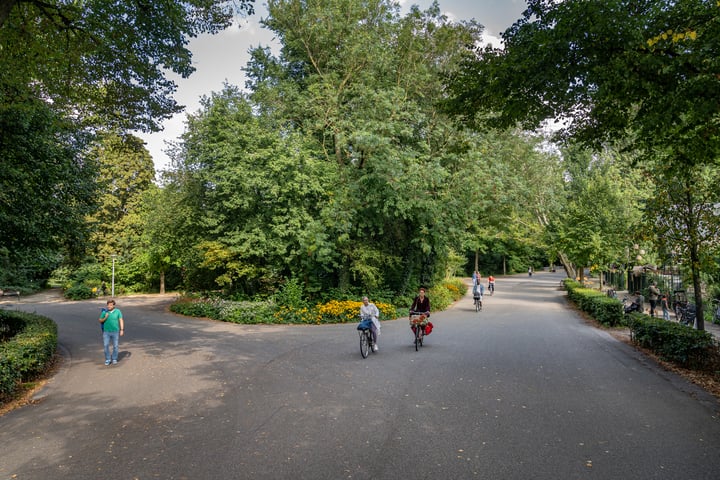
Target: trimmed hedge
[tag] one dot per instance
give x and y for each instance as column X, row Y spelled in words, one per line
column 27, row 354
column 606, row 310
column 673, row 342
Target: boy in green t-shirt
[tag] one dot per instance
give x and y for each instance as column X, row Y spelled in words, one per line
column 113, row 328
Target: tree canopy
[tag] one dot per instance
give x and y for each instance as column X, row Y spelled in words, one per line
column 71, row 70
column 608, row 69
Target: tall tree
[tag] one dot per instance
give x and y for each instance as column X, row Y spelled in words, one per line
column 638, row 70
column 126, row 171
column 102, row 61
column 603, row 208
column 68, row 70
column 46, row 189
column 363, row 82
column 685, row 213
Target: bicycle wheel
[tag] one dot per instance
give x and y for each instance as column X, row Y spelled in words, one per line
column 364, row 344
column 417, row 337
column 477, row 305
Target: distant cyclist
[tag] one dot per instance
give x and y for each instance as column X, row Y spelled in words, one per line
column 491, row 284
column 478, row 287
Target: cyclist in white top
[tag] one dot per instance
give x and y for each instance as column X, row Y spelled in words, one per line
column 368, row 309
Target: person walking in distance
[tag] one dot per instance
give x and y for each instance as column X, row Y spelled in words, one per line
column 665, row 307
column 654, row 295
column 113, row 328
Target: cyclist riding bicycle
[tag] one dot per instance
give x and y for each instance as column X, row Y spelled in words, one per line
column 420, row 306
column 369, row 310
column 491, row 284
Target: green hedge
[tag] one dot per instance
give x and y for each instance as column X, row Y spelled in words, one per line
column 673, row 342
column 606, row 310
column 29, row 352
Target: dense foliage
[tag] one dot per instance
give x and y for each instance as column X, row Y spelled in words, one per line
column 28, row 344
column 640, row 71
column 300, row 311
column 71, row 70
column 338, row 168
column 676, row 343
column 606, row 310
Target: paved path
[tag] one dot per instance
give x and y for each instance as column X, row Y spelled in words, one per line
column 523, row 390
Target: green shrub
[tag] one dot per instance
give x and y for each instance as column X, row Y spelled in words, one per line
column 79, row 292
column 247, row 312
column 606, row 310
column 444, row 294
column 674, row 342
column 29, row 352
column 291, row 294
column 197, row 307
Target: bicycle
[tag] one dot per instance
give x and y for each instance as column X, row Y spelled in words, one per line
column 686, row 314
column 366, row 338
column 418, row 320
column 491, row 288
column 478, row 302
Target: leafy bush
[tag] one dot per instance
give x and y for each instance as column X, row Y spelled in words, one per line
column 289, row 306
column 79, row 292
column 28, row 353
column 247, row 312
column 674, row 342
column 606, row 310
column 291, row 295
column 197, row 307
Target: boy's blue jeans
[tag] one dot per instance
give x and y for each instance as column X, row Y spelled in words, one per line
column 113, row 337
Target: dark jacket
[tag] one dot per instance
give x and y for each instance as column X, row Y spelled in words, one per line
column 420, row 305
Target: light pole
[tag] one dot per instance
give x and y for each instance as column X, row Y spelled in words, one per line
column 112, row 284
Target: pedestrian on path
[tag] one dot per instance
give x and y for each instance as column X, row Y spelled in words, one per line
column 113, row 328
column 665, row 307
column 654, row 295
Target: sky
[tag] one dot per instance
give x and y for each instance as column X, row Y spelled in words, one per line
column 220, row 58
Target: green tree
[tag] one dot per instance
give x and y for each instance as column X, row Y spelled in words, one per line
column 363, row 83
column 684, row 211
column 604, row 204
column 126, row 171
column 70, row 69
column 101, row 61
column 642, row 71
column 254, row 193
column 46, row 189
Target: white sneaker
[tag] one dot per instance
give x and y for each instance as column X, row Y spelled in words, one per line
column 375, row 348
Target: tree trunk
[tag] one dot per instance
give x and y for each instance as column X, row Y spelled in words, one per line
column 6, row 7
column 567, row 265
column 162, row 281
column 697, row 286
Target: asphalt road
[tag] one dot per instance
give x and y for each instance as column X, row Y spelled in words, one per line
column 523, row 390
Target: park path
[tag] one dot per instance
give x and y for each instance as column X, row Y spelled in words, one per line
column 523, row 389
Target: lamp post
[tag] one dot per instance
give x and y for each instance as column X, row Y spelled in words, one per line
column 112, row 284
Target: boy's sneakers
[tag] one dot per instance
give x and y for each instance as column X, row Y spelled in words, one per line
column 375, row 348
column 114, row 362
column 107, row 362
